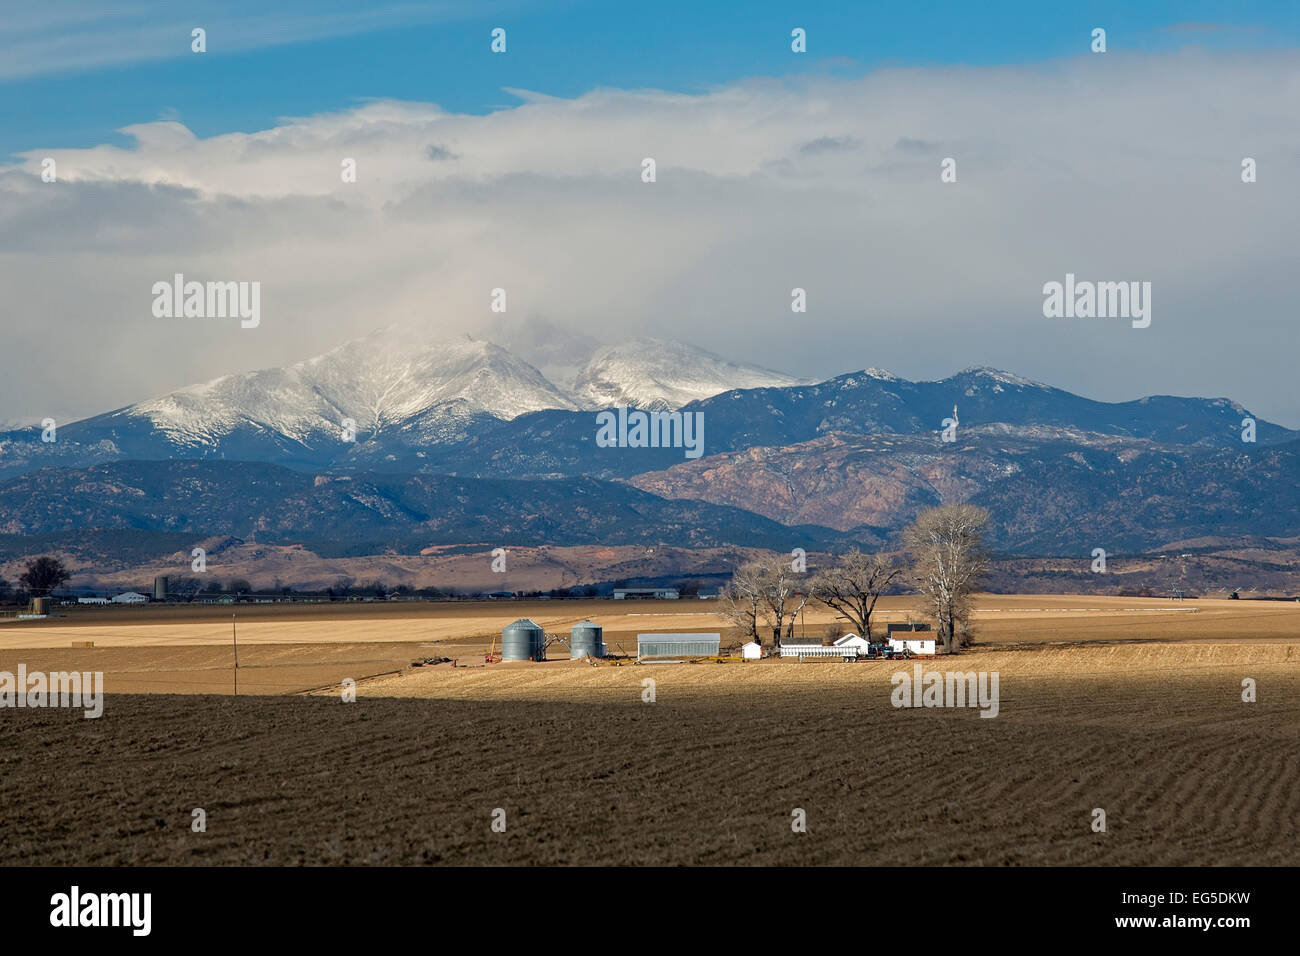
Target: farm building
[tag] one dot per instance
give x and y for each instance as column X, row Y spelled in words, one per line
column 913, row 645
column 524, row 640
column 913, row 638
column 586, row 639
column 130, row 597
column 670, row 594
column 853, row 640
column 92, row 600
column 752, row 651
column 677, row 645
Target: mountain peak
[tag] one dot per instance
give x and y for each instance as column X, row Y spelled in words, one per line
column 391, row 376
column 996, row 375
column 647, row 372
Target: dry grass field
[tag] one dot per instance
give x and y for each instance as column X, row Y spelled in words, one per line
column 1132, row 706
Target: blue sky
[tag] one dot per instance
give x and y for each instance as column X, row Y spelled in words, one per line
column 73, row 71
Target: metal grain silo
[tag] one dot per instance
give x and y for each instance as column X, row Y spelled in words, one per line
column 524, row 640
column 586, row 640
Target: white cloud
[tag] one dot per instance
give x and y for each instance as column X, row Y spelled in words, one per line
column 1109, row 167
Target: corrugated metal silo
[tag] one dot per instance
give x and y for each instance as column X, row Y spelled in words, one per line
column 524, row 640
column 586, row 640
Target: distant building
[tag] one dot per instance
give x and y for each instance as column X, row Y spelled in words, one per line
column 669, row 594
column 901, row 638
column 677, row 645
column 853, row 640
column 130, row 597
column 92, row 600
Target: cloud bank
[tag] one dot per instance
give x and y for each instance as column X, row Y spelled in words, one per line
column 1111, row 167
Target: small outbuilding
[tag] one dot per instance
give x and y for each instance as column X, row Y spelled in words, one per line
column 853, row 640
column 677, row 645
column 752, row 651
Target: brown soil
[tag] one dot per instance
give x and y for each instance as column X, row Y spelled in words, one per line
column 709, row 773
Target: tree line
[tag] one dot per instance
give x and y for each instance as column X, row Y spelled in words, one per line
column 943, row 560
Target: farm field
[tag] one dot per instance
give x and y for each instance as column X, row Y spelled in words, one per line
column 1122, row 704
column 998, row 617
column 288, row 648
column 709, row 773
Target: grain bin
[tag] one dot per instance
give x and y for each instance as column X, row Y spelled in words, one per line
column 524, row 640
column 586, row 640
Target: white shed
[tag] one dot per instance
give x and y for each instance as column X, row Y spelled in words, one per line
column 752, row 651
column 853, row 640
column 913, row 645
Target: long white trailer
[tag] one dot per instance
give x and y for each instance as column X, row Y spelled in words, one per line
column 816, row 650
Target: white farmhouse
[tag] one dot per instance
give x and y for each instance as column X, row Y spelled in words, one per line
column 913, row 638
column 913, row 645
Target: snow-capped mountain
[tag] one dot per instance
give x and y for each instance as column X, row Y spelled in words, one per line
column 391, row 380
column 558, row 352
column 468, row 407
column 651, row 373
column 404, row 393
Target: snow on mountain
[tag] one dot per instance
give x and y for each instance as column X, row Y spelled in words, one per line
column 997, row 376
column 558, row 352
column 650, row 373
column 389, row 379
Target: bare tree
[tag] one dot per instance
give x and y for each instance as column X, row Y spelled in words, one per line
column 741, row 599
column 804, row 595
column 784, row 593
column 183, row 589
column 947, row 548
column 767, row 591
column 852, row 586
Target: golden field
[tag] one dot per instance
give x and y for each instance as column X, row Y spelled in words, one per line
column 286, row 648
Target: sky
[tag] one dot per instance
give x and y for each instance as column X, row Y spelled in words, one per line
column 775, row 170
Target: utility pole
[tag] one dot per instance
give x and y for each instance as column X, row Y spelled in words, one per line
column 235, row 641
